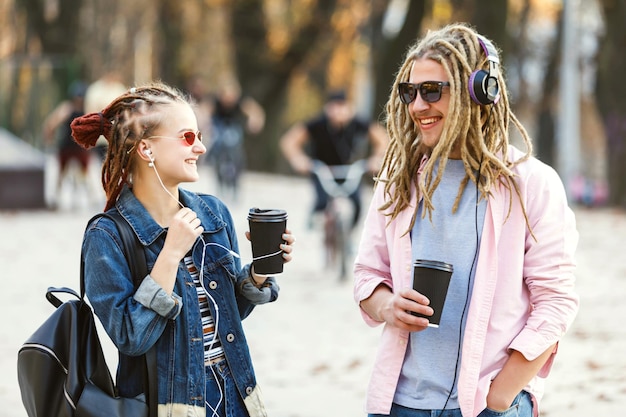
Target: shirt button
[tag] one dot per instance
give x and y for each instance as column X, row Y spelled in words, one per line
column 213, row 285
column 249, row 390
column 230, row 337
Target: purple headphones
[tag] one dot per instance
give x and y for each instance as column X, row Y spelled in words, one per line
column 483, row 85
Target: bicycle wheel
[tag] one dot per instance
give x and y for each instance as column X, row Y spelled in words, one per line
column 335, row 241
column 342, row 258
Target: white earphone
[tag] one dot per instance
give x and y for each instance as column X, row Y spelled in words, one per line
column 148, row 153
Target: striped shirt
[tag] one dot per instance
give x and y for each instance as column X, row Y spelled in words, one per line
column 213, row 350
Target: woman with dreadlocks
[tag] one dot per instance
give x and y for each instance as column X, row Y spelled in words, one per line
column 190, row 306
column 452, row 189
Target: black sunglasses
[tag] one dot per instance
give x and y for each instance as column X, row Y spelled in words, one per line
column 429, row 90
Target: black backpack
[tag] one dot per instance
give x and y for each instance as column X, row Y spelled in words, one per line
column 61, row 368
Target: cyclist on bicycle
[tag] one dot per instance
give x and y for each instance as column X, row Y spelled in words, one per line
column 335, row 137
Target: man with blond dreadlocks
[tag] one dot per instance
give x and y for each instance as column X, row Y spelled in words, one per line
column 452, row 189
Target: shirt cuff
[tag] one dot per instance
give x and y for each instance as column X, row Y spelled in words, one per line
column 268, row 292
column 151, row 295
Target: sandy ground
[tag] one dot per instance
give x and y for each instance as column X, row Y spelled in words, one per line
column 312, row 352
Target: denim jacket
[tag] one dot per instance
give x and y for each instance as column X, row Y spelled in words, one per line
column 147, row 317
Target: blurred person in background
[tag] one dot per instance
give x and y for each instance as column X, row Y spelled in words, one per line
column 100, row 93
column 336, row 136
column 57, row 133
column 452, row 189
column 232, row 114
column 229, row 105
column 197, row 91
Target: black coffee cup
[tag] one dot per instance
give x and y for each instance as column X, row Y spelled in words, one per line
column 432, row 278
column 266, row 235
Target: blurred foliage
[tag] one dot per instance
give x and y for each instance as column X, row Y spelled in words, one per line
column 284, row 53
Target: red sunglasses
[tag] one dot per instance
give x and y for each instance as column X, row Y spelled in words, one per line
column 188, row 137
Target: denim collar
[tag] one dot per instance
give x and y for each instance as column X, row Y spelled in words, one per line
column 148, row 230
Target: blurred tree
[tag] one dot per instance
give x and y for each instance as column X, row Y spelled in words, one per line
column 170, row 40
column 266, row 62
column 546, row 123
column 284, row 53
column 53, row 26
column 50, row 42
column 310, row 35
column 490, row 17
column 611, row 96
column 264, row 72
column 108, row 33
column 388, row 50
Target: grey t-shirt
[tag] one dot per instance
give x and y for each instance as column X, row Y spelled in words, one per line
column 429, row 369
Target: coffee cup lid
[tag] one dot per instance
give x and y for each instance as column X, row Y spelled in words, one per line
column 443, row 266
column 266, row 215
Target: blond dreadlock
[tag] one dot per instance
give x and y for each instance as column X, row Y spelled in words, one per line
column 482, row 131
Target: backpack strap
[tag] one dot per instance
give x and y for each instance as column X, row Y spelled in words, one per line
column 133, row 249
column 136, row 258
column 54, row 300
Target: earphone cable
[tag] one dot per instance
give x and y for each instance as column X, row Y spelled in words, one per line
column 469, row 280
column 214, row 410
column 163, row 185
column 458, row 354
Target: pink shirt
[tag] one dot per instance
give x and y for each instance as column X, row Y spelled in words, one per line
column 523, row 296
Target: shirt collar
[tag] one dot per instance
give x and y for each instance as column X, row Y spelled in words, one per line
column 148, row 230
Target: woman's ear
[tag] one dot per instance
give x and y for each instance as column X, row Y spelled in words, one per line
column 144, row 152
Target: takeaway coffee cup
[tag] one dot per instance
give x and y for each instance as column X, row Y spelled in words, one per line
column 432, row 278
column 266, row 233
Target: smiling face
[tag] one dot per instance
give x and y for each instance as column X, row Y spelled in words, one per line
column 429, row 118
column 175, row 160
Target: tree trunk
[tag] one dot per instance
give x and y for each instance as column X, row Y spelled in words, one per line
column 489, row 17
column 169, row 23
column 611, row 96
column 546, row 129
column 388, row 53
column 57, row 35
column 265, row 78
